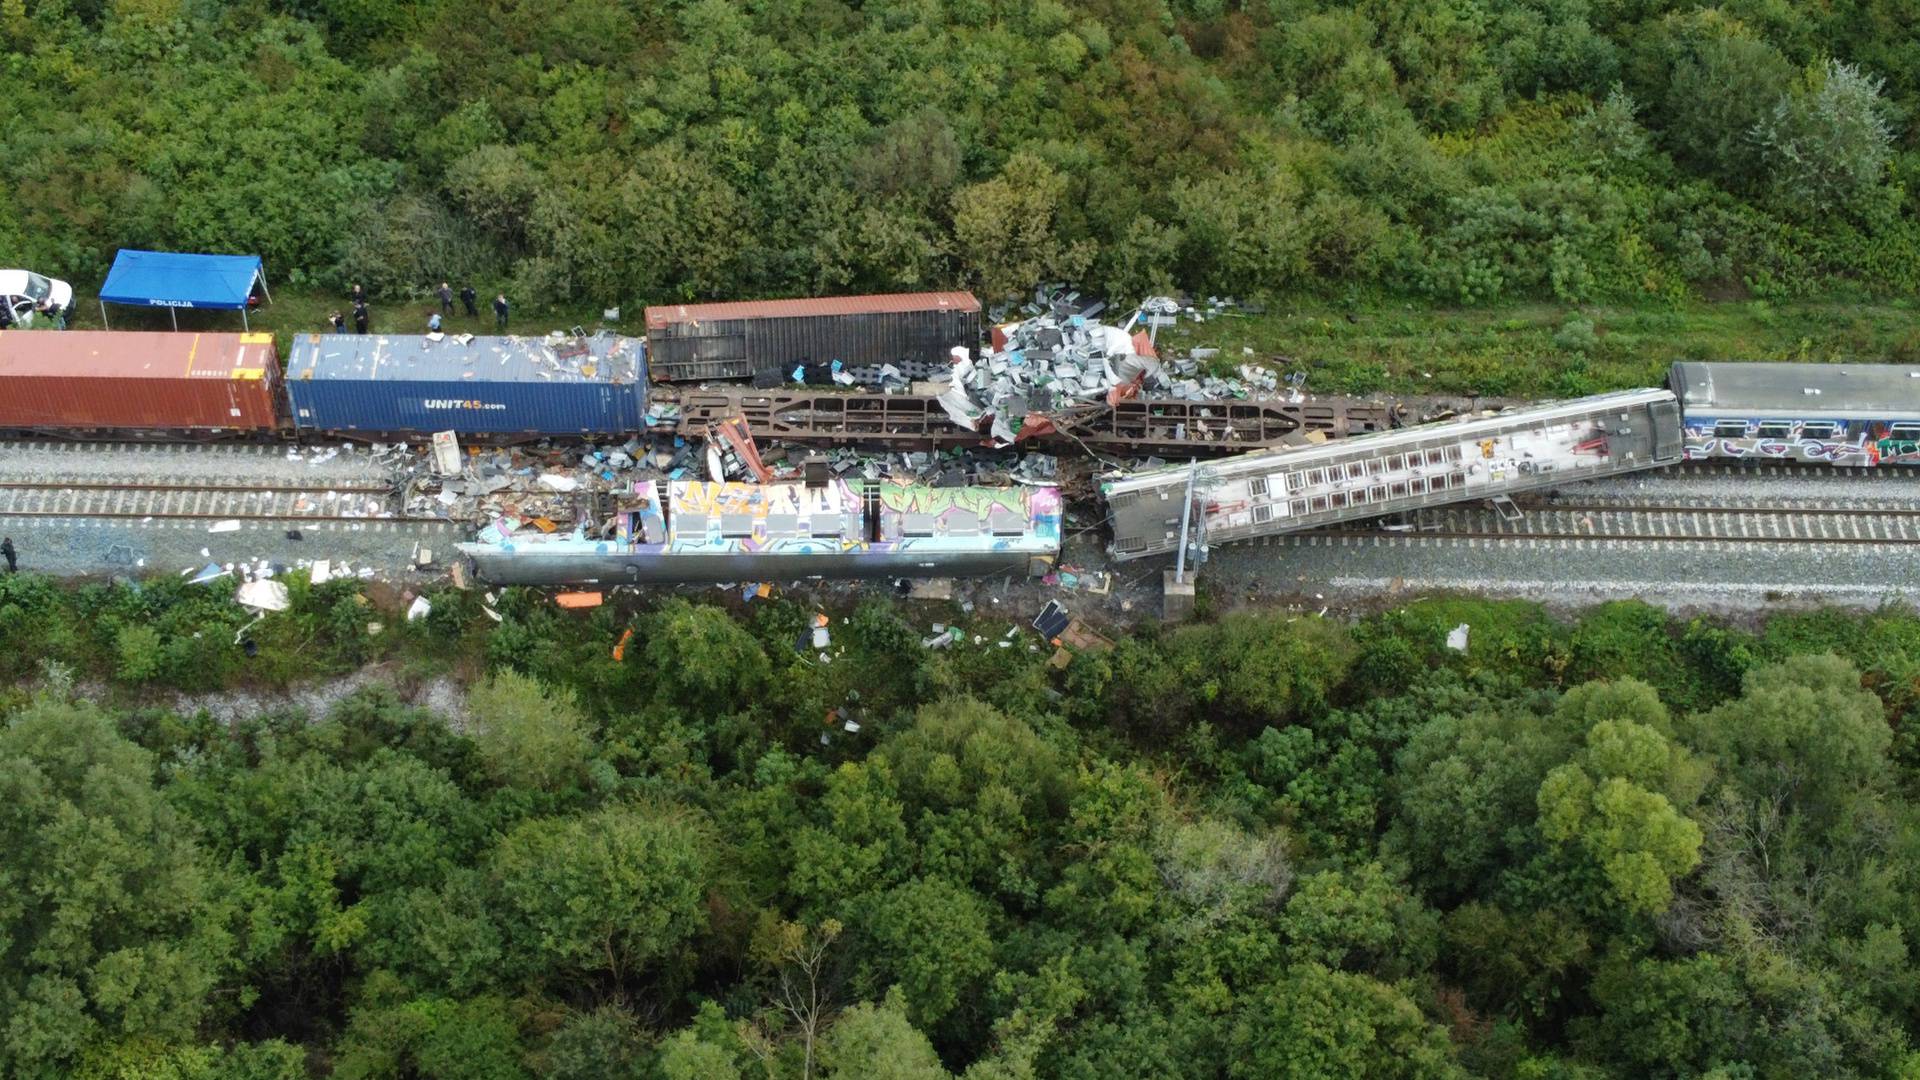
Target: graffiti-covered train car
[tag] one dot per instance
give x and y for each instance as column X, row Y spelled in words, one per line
column 1826, row 414
column 692, row 530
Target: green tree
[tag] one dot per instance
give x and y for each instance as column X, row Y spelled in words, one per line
column 112, row 925
column 930, row 938
column 529, row 735
column 1319, row 1023
column 608, row 893
column 1827, row 141
column 1803, row 736
column 879, row 1042
column 1006, row 228
column 1616, row 800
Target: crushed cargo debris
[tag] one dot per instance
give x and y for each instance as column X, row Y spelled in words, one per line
column 1062, row 357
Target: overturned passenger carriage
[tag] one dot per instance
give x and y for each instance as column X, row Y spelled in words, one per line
column 1284, row 491
column 699, row 531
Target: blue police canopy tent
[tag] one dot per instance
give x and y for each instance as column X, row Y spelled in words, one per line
column 176, row 280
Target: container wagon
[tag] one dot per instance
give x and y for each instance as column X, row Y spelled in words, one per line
column 765, row 340
column 137, row 384
column 507, row 388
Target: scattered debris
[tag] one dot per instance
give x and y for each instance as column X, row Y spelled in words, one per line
column 263, row 596
column 579, row 599
column 419, row 609
column 1457, row 638
column 1052, row 620
column 446, row 454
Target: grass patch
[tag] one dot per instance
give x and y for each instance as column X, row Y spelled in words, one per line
column 1529, row 351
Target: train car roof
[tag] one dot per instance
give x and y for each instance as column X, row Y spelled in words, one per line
column 1795, row 390
column 409, row 357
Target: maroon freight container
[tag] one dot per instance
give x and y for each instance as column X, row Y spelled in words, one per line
column 81, row 380
column 764, row 339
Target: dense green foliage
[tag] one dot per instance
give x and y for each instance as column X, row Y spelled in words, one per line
column 606, row 151
column 1269, row 845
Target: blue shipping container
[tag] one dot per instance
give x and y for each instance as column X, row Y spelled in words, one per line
column 489, row 386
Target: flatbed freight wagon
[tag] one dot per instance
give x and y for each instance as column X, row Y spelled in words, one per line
column 120, row 383
column 764, row 340
column 505, row 387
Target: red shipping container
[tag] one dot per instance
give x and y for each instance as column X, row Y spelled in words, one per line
column 122, row 381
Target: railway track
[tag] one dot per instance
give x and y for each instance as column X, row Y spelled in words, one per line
column 1621, row 519
column 201, row 501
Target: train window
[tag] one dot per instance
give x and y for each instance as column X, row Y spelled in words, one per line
column 1820, row 429
column 1374, row 465
column 1775, row 429
column 1315, row 477
column 1908, row 432
column 736, row 526
column 1005, row 522
column 1295, row 481
column 1396, row 463
column 1417, row 486
column 1299, row 507
column 1262, row 513
column 1356, row 469
column 1319, row 503
column 1358, row 497
column 1730, row 429
column 917, row 525
column 782, row 525
column 1338, row 500
column 1257, row 487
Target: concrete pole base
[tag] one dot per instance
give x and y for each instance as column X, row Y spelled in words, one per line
column 1176, row 597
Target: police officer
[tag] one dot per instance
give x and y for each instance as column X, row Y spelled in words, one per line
column 360, row 317
column 6, row 549
column 467, row 297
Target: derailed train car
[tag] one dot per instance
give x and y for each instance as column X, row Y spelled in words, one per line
column 1366, row 476
column 694, row 531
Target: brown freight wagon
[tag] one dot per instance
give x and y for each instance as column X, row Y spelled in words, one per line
column 117, row 381
column 764, row 339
